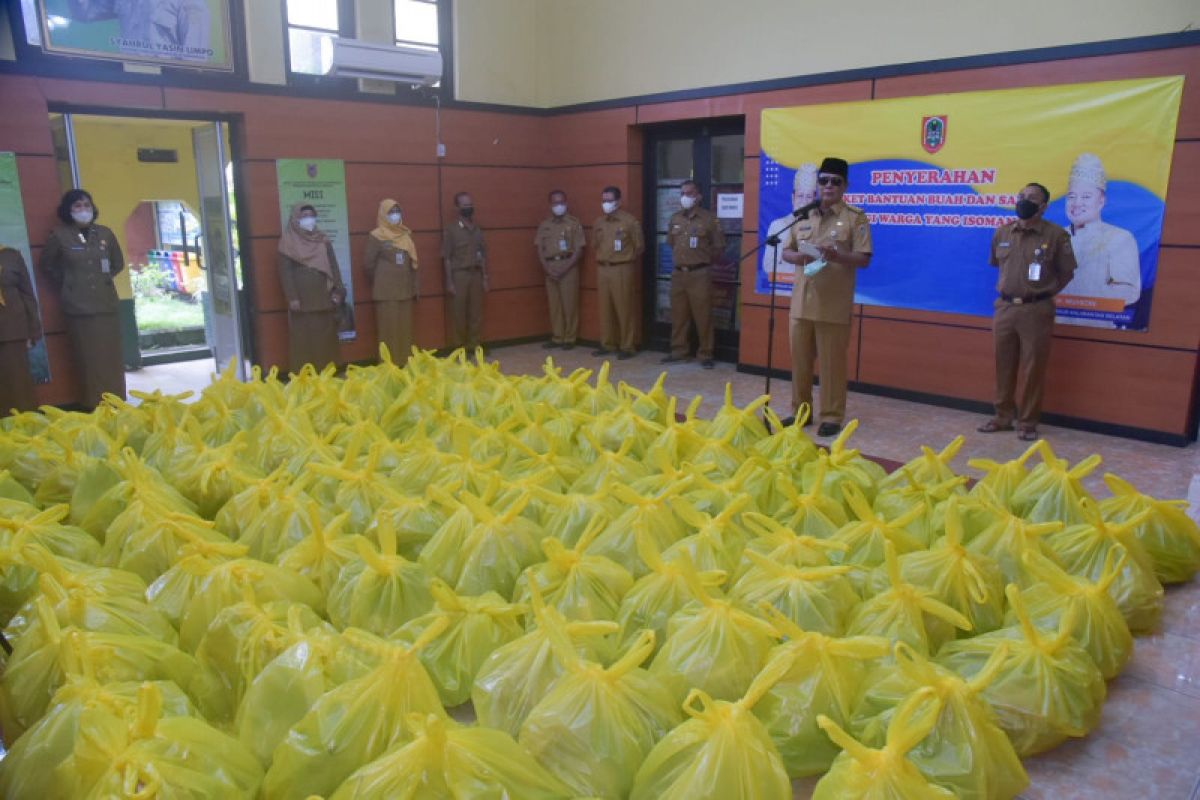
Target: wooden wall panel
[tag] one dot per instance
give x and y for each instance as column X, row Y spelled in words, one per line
column 260, row 198
column 429, row 323
column 261, row 265
column 512, row 263
column 755, row 333
column 954, row 362
column 515, row 313
column 40, row 193
column 414, row 187
column 493, row 139
column 271, row 340
column 1181, row 224
column 591, row 137
column 111, row 95
column 430, row 274
column 24, row 127
column 504, row 197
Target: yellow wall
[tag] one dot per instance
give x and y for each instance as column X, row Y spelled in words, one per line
column 109, row 169
column 584, row 50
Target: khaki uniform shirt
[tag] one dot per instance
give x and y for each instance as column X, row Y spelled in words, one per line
column 392, row 270
column 81, row 265
column 463, row 245
column 695, row 237
column 309, row 286
column 617, row 238
column 1015, row 251
column 559, row 238
column 828, row 296
column 19, row 319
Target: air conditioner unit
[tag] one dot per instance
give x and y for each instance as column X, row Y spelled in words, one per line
column 383, row 62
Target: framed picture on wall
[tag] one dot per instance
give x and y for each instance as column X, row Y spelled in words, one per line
column 175, row 33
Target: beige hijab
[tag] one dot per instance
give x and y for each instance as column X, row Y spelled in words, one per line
column 310, row 248
column 398, row 236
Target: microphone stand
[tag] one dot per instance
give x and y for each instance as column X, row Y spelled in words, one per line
column 774, row 240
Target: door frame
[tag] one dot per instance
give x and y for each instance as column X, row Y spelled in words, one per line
column 656, row 335
column 236, row 129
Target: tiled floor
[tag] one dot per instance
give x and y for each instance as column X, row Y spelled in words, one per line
column 1148, row 742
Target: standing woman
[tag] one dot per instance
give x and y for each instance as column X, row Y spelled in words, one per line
column 312, row 284
column 20, row 328
column 80, row 259
column 391, row 265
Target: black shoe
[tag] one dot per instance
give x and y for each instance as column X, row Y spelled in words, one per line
column 550, row 345
column 569, row 346
column 787, row 422
column 707, row 363
column 601, row 352
column 671, row 360
column 624, row 356
column 829, row 429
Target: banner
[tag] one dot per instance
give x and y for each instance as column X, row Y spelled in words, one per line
column 321, row 183
column 14, row 234
column 937, row 175
column 181, row 33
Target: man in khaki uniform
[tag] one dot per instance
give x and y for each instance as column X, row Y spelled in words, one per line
column 559, row 242
column 1036, row 261
column 20, row 328
column 619, row 245
column 832, row 244
column 695, row 238
column 465, row 255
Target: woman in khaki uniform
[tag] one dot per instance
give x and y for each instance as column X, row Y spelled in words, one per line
column 20, row 328
column 312, row 284
column 80, row 259
column 391, row 265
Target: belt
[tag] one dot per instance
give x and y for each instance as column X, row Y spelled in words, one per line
column 691, row 267
column 613, row 263
column 560, row 257
column 465, row 269
column 1025, row 299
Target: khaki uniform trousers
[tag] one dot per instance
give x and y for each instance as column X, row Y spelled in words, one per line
column 16, row 382
column 1023, row 334
column 394, row 324
column 564, row 307
column 466, row 308
column 691, row 299
column 96, row 343
column 827, row 343
column 617, row 315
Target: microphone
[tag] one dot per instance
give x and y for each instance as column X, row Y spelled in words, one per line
column 804, row 211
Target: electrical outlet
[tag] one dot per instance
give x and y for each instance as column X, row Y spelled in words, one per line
column 441, row 150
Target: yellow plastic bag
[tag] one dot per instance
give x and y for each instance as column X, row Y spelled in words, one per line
column 450, row 761
column 906, row 612
column 414, row 519
column 713, row 645
column 965, row 751
column 517, row 675
column 1001, row 479
column 322, row 554
column 68, row 749
column 567, row 516
column 861, row 773
column 146, row 538
column 841, row 465
column 655, row 514
column 968, row 582
column 866, row 538
column 359, row 492
column 618, row 465
column 580, row 585
column 139, row 481
column 177, row 757
column 11, row 489
column 927, row 469
column 1170, row 537
column 269, row 496
column 723, row 752
column 788, row 445
column 356, row 722
column 818, row 599
column 380, row 590
column 1008, row 538
column 1083, row 550
column 172, row 592
column 824, row 676
column 81, row 600
column 783, row 545
column 216, row 475
column 470, row 629
column 932, row 498
column 1053, row 489
column 596, row 725
column 717, row 540
column 1099, row 626
column 27, row 534
column 671, row 584
column 1047, row 689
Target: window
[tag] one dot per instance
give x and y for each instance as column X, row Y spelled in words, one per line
column 312, row 25
column 417, row 23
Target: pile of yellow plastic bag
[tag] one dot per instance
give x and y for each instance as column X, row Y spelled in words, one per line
column 443, row 581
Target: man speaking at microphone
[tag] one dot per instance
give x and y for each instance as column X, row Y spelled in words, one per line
column 828, row 245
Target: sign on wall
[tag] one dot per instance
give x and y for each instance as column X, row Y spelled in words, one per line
column 321, row 183
column 937, row 175
column 181, row 33
column 14, row 234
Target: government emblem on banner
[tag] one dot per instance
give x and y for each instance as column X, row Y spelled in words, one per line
column 312, row 169
column 933, row 133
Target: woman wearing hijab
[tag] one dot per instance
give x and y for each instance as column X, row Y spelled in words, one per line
column 391, row 265
column 80, row 259
column 20, row 328
column 312, row 284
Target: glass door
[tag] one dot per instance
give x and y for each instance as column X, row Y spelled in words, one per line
column 711, row 154
column 218, row 255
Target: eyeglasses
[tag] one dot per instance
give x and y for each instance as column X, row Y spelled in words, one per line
column 826, row 180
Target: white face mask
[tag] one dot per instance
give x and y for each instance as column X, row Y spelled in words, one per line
column 308, row 223
column 609, row 206
column 559, row 209
column 686, row 200
column 394, row 218
column 83, row 217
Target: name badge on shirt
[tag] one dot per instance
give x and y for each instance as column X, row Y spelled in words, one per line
column 693, row 242
column 618, row 245
column 562, row 245
column 105, row 266
column 1035, row 272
